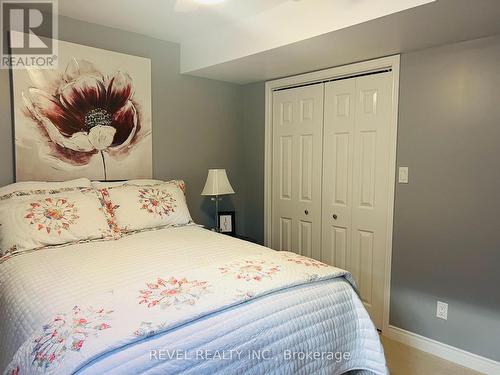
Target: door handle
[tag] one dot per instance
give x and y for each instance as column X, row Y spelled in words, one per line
column 306, row 212
column 334, row 217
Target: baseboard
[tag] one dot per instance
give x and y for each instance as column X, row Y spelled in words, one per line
column 448, row 352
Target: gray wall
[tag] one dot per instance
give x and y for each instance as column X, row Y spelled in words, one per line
column 197, row 123
column 253, row 156
column 447, row 219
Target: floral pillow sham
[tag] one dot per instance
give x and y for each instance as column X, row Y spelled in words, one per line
column 34, row 219
column 104, row 184
column 43, row 185
column 132, row 207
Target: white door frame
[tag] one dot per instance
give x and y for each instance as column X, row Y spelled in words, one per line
column 390, row 62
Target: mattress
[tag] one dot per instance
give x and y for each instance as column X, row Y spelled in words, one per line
column 312, row 326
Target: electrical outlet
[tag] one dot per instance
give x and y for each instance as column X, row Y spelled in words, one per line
column 403, row 175
column 442, row 310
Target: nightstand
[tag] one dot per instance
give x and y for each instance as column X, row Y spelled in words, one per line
column 244, row 238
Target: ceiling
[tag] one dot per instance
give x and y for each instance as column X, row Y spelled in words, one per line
column 244, row 41
column 438, row 23
column 172, row 20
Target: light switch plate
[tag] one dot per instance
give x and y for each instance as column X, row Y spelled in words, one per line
column 442, row 310
column 403, row 175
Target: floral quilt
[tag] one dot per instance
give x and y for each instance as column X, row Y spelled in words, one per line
column 104, row 322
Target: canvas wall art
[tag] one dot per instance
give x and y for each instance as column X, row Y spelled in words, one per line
column 89, row 118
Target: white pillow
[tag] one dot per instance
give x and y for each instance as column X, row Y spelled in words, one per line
column 42, row 185
column 53, row 214
column 108, row 184
column 137, row 207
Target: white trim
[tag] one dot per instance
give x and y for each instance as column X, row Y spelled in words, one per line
column 268, row 162
column 448, row 352
column 392, row 188
column 391, row 62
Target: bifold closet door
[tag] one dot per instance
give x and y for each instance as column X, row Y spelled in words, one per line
column 340, row 97
column 356, row 181
column 296, row 179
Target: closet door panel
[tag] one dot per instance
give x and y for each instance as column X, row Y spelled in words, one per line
column 337, row 171
column 284, row 117
column 285, row 234
column 336, row 245
column 310, row 144
column 297, row 151
column 370, row 189
column 305, row 238
column 306, row 151
column 355, row 182
column 285, row 160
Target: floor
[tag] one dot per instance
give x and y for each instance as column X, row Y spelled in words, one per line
column 405, row 360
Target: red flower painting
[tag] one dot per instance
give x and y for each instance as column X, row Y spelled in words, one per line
column 83, row 113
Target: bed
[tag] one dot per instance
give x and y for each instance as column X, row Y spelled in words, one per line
column 178, row 300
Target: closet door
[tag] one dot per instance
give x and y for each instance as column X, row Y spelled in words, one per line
column 370, row 189
column 340, row 105
column 355, row 182
column 297, row 153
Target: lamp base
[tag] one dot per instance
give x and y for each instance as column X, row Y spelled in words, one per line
column 216, row 199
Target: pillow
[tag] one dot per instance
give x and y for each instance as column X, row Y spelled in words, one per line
column 135, row 207
column 54, row 214
column 108, row 184
column 42, row 185
column 105, row 184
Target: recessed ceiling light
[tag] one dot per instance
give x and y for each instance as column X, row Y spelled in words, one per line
column 186, row 6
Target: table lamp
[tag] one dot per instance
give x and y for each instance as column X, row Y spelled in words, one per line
column 217, row 184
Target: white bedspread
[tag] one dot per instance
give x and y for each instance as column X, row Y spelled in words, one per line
column 309, row 322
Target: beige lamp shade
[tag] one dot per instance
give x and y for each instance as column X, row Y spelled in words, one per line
column 217, row 183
